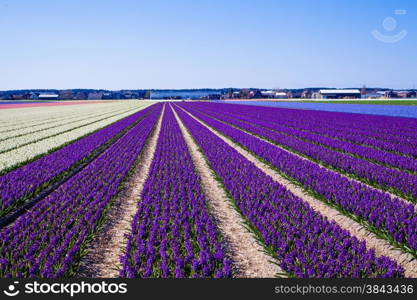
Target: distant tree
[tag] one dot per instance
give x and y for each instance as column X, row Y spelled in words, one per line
column 147, row 95
column 364, row 90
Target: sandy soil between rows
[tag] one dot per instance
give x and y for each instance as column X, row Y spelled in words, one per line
column 103, row 258
column 381, row 247
column 248, row 256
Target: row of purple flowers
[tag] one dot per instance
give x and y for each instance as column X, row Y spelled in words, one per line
column 400, row 130
column 305, row 242
column 49, row 240
column 391, row 218
column 259, row 117
column 373, row 131
column 172, row 233
column 30, row 179
column 400, row 182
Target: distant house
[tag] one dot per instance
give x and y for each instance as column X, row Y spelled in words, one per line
column 211, row 97
column 107, row 96
column 316, row 95
column 405, row 94
column 374, row 95
column 268, row 94
column 384, row 94
column 255, row 94
column 245, row 94
column 307, row 94
column 295, row 94
column 340, row 94
column 393, row 94
column 24, row 96
column 236, row 95
column 281, row 95
column 274, row 94
column 48, row 96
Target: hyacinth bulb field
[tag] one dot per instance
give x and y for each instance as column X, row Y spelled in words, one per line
column 195, row 189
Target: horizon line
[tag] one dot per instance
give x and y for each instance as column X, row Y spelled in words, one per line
column 207, row 88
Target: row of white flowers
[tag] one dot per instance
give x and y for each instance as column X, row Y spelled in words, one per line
column 24, row 117
column 20, row 141
column 18, row 123
column 42, row 120
column 27, row 152
column 44, row 128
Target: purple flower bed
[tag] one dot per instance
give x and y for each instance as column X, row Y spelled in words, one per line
column 364, row 131
column 392, row 134
column 385, row 144
column 401, row 182
column 371, row 125
column 307, row 133
column 392, row 218
column 33, row 177
column 172, row 233
column 305, row 242
column 49, row 240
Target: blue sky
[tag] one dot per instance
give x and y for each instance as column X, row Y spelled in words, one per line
column 128, row 44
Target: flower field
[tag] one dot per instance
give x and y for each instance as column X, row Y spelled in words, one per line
column 323, row 194
column 24, row 135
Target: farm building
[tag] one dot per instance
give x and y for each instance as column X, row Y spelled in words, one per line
column 281, row 95
column 406, row 94
column 306, row 94
column 48, row 96
column 374, row 95
column 339, row 94
column 183, row 94
column 274, row 94
column 268, row 94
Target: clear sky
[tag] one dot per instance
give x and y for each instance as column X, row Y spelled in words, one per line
column 126, row 44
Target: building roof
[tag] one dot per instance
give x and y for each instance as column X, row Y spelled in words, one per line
column 351, row 91
column 48, row 95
